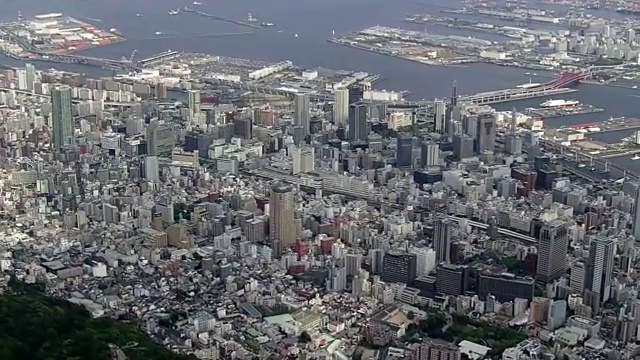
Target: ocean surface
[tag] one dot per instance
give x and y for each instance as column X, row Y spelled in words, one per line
column 313, row 22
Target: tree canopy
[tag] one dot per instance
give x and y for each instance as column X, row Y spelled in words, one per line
column 37, row 327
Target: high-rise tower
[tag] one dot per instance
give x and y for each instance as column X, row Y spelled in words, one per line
column 194, row 104
column 600, row 267
column 636, row 216
column 341, row 107
column 442, row 240
column 358, row 122
column 553, row 242
column 61, row 116
column 301, row 116
column 281, row 219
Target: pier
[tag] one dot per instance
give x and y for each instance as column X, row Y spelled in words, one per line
column 216, row 17
column 557, row 112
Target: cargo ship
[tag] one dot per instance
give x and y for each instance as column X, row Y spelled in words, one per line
column 559, row 103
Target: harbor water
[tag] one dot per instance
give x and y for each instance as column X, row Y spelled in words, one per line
column 300, row 34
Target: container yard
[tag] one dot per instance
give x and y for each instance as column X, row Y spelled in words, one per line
column 54, row 34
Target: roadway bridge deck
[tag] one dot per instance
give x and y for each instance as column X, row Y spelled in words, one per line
column 167, row 55
column 556, row 86
column 570, row 158
column 86, row 60
column 495, row 97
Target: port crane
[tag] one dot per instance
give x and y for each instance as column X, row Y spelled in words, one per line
column 130, row 59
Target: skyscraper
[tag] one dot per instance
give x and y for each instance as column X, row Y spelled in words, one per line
column 404, row 152
column 151, row 169
column 30, row 76
column 281, row 220
column 398, row 267
column 160, row 140
column 553, row 242
column 470, row 125
column 429, row 154
column 439, row 115
column 194, row 103
column 341, row 107
column 22, row 79
column 442, row 240
column 486, row 134
column 301, row 116
column 61, row 116
column 578, row 273
column 462, row 147
column 636, row 216
column 358, row 122
column 600, row 267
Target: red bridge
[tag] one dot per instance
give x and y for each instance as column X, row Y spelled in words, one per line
column 566, row 79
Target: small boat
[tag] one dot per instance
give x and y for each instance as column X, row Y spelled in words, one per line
column 250, row 18
column 197, row 3
column 634, row 87
column 174, row 12
column 159, row 33
column 138, row 15
column 296, row 36
column 266, row 24
column 635, row 157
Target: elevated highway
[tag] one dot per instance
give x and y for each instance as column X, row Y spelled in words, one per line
column 158, row 58
column 559, row 85
column 585, row 165
column 119, row 65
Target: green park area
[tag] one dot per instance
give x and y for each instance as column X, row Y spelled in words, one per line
column 458, row 328
column 37, row 327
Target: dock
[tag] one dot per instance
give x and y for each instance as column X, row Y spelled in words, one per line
column 552, row 113
column 617, row 124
